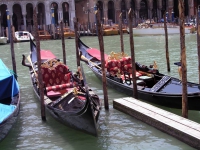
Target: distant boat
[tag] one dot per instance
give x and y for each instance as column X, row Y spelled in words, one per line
column 110, row 30
column 23, row 36
column 3, row 40
column 9, row 100
column 157, row 29
column 86, row 33
column 44, row 35
column 68, row 33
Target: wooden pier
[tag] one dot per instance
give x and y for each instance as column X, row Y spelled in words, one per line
column 183, row 129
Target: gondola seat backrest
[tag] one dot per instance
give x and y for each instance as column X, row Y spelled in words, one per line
column 63, row 74
column 113, row 66
column 56, row 76
column 126, row 65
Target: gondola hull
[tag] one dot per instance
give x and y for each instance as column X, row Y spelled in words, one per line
column 75, row 106
column 9, row 100
column 169, row 94
column 7, row 125
column 82, row 120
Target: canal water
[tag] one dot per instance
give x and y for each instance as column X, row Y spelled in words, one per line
column 117, row 131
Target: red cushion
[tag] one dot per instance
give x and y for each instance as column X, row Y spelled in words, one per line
column 114, row 70
column 61, row 68
column 125, row 61
column 53, row 94
column 127, row 68
column 56, row 76
column 113, row 65
column 46, row 76
column 59, row 87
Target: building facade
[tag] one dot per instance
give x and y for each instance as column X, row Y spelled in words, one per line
column 142, row 9
column 21, row 11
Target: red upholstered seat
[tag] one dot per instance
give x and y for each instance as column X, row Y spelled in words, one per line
column 48, row 77
column 113, row 66
column 56, row 79
column 126, row 66
column 125, row 61
column 59, row 87
column 61, row 68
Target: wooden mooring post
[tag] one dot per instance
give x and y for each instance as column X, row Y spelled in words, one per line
column 63, row 42
column 13, row 52
column 198, row 39
column 53, row 22
column 101, row 45
column 41, row 86
column 130, row 15
column 166, row 42
column 76, row 41
column 121, row 33
column 183, row 60
column 10, row 37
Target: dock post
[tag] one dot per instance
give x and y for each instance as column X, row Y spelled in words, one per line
column 166, row 42
column 12, row 51
column 183, row 60
column 63, row 42
column 53, row 22
column 101, row 45
column 198, row 39
column 76, row 41
column 8, row 23
column 130, row 15
column 39, row 66
column 121, row 33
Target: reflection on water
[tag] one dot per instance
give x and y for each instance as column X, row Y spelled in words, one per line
column 116, row 129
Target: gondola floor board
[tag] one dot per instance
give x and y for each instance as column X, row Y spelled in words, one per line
column 181, row 128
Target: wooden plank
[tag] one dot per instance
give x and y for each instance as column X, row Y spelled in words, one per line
column 183, row 129
column 167, row 114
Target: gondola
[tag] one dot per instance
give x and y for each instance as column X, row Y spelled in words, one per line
column 66, row 95
column 152, row 85
column 9, row 100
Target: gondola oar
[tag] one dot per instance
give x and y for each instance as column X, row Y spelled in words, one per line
column 87, row 60
column 29, row 59
column 85, row 83
column 87, row 91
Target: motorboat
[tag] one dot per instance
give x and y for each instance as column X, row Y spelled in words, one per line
column 3, row 40
column 157, row 29
column 23, row 36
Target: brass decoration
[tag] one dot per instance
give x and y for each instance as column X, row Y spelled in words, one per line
column 116, row 56
column 118, row 73
column 75, row 91
column 155, row 65
column 51, row 63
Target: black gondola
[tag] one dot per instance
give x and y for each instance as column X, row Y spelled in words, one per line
column 152, row 86
column 9, row 100
column 66, row 95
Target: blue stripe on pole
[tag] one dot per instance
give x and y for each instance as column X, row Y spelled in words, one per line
column 172, row 16
column 53, row 16
column 8, row 23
